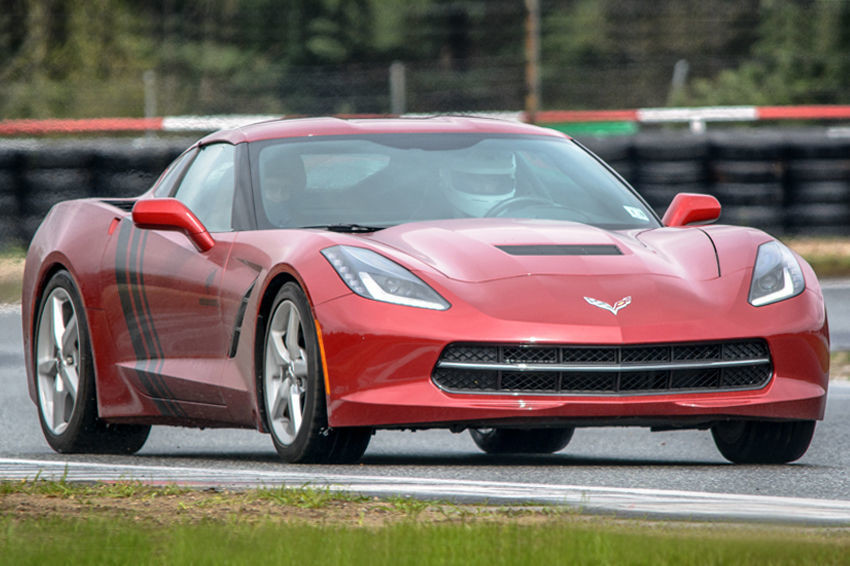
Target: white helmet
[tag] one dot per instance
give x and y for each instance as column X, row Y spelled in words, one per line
column 478, row 180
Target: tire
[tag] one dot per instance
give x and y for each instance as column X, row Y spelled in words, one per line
column 521, row 441
column 747, row 171
column 837, row 192
column 670, row 147
column 819, row 170
column 731, row 194
column 740, row 146
column 671, row 172
column 763, row 442
column 807, row 218
column 291, row 387
column 609, row 148
column 64, row 373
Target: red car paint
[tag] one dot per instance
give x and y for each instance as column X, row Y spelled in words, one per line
column 172, row 347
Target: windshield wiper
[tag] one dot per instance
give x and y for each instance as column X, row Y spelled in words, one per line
column 348, row 228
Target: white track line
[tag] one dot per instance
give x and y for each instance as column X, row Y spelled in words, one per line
column 643, row 502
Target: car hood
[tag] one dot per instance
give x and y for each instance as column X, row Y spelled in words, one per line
column 557, row 273
column 481, row 250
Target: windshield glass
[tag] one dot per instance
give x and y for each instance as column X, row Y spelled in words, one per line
column 389, row 179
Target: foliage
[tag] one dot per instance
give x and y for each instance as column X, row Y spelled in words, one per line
column 86, row 58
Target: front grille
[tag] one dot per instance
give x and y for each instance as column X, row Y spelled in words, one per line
column 604, row 369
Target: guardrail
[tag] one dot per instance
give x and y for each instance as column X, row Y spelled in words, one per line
column 698, row 118
column 783, row 181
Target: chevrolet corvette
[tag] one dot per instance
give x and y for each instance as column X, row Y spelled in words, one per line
column 319, row 279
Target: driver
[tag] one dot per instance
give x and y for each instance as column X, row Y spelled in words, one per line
column 477, row 180
column 282, row 183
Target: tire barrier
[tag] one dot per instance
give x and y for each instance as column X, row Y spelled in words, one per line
column 35, row 175
column 783, row 181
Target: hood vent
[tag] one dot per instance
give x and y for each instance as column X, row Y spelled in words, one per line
column 562, row 250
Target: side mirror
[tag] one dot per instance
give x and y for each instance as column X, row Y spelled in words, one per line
column 691, row 208
column 171, row 214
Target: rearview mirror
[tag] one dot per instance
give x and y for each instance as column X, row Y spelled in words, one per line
column 691, row 208
column 171, row 214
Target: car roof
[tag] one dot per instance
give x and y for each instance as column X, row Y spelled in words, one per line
column 304, row 127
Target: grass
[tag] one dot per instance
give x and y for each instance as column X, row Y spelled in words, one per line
column 97, row 541
column 45, row 522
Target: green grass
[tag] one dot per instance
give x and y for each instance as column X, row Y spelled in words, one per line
column 94, row 541
column 305, row 497
column 131, row 523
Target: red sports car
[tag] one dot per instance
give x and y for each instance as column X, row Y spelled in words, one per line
column 319, row 279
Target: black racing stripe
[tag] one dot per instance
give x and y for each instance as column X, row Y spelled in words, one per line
column 122, row 278
column 154, row 362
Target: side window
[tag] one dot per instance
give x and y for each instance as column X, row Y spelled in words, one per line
column 165, row 184
column 208, row 187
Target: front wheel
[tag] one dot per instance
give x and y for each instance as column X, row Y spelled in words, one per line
column 519, row 441
column 293, row 391
column 763, row 442
column 64, row 374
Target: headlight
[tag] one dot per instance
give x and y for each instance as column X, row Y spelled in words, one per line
column 776, row 276
column 373, row 276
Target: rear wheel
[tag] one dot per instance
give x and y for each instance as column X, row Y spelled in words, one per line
column 763, row 442
column 521, row 441
column 64, row 370
column 293, row 392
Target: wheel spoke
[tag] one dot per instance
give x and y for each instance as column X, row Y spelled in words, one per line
column 47, row 367
column 295, row 408
column 70, row 339
column 280, row 400
column 299, row 367
column 58, row 402
column 278, row 348
column 293, row 328
column 57, row 322
column 70, row 380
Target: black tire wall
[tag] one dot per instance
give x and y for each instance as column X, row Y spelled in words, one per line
column 782, row 181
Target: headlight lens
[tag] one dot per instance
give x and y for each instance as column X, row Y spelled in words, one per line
column 373, row 276
column 776, row 276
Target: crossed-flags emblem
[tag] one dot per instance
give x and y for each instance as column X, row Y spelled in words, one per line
column 621, row 304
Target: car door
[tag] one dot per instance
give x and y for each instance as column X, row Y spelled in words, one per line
column 166, row 312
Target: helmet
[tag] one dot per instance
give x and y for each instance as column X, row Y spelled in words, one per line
column 477, row 180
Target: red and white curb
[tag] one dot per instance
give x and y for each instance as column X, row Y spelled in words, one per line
column 650, row 503
column 697, row 117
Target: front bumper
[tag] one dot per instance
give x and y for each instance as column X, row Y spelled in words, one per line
column 380, row 359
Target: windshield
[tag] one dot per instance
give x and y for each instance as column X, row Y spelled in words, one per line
column 378, row 181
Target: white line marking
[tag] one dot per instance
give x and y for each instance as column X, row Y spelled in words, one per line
column 674, row 503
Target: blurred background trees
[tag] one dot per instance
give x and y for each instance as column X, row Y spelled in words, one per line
column 86, row 58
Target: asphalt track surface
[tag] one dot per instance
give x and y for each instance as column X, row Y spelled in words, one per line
column 609, row 470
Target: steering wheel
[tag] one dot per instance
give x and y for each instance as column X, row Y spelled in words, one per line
column 517, row 202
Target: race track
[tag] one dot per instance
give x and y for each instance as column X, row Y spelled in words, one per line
column 626, row 471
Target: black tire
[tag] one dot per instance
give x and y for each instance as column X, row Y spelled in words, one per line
column 671, row 172
column 756, row 146
column 821, row 192
column 670, row 147
column 812, row 218
column 311, row 440
column 609, row 148
column 763, row 442
column 765, row 194
column 80, row 429
column 766, row 217
column 819, row 170
column 521, row 441
column 747, row 171
column 818, row 145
